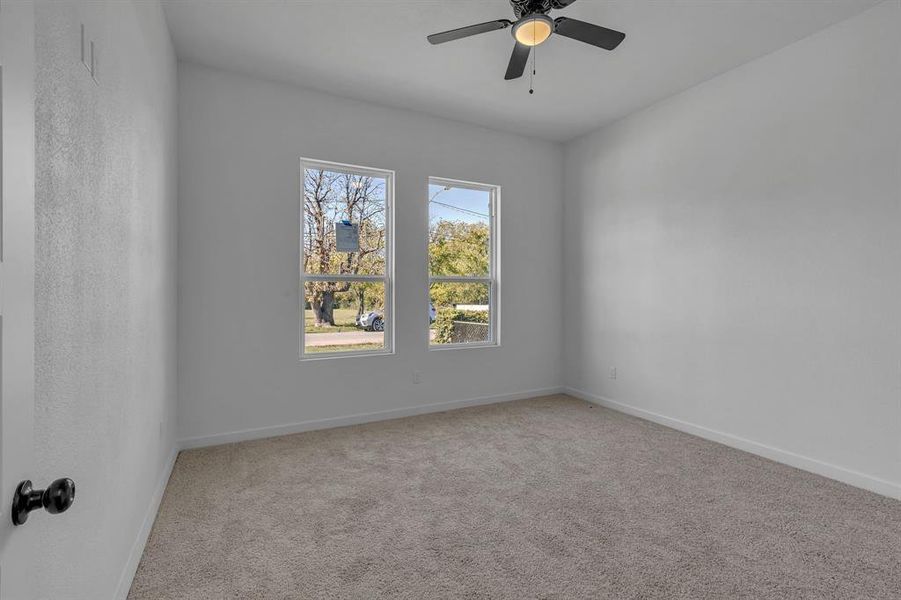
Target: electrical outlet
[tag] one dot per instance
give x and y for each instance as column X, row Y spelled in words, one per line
column 612, row 373
column 417, row 376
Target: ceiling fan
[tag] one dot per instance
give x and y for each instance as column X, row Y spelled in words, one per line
column 532, row 27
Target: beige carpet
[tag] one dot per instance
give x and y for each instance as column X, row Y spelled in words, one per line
column 544, row 498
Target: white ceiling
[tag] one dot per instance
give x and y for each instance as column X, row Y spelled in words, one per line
column 376, row 50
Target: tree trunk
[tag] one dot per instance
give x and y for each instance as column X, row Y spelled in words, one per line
column 361, row 301
column 323, row 306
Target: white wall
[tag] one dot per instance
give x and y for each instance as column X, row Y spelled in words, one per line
column 105, row 286
column 738, row 247
column 240, row 140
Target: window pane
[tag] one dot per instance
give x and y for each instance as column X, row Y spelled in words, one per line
column 459, row 231
column 461, row 313
column 343, row 316
column 353, row 203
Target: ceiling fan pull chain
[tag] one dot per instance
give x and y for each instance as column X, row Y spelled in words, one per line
column 532, row 74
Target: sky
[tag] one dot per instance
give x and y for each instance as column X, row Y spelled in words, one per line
column 458, row 204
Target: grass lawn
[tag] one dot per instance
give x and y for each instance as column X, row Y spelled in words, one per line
column 344, row 348
column 344, row 321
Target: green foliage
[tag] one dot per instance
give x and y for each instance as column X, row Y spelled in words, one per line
column 444, row 322
column 446, row 295
column 458, row 248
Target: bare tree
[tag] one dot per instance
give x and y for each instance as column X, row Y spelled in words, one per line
column 330, row 197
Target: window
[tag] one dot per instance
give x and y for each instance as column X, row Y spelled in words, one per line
column 463, row 264
column 346, row 259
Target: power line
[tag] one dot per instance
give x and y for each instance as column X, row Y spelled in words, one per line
column 464, row 210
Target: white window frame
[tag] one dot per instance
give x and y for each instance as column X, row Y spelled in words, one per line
column 494, row 264
column 387, row 279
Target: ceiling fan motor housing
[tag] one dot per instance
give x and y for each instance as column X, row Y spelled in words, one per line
column 524, row 8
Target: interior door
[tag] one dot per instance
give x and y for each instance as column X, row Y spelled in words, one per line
column 17, row 544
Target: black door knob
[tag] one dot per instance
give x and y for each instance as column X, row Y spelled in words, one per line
column 57, row 498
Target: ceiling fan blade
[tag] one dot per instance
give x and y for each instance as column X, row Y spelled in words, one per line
column 608, row 39
column 456, row 34
column 558, row 4
column 518, row 61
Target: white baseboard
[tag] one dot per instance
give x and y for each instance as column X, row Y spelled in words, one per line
column 137, row 548
column 855, row 478
column 356, row 419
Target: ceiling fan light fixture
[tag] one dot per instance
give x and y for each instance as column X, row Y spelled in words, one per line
column 533, row 30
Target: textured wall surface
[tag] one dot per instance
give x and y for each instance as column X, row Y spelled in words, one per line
column 105, row 283
column 739, row 247
column 240, row 141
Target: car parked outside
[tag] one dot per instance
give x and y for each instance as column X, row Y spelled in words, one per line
column 375, row 320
